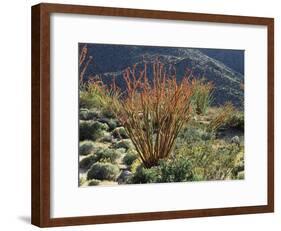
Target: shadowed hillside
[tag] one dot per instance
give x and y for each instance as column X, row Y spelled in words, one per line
column 111, row 60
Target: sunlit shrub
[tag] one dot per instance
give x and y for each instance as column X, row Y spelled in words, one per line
column 222, row 117
column 93, row 182
column 88, row 114
column 125, row 143
column 241, row 175
column 112, row 124
column 83, row 114
column 103, row 171
column 236, row 120
column 210, row 162
column 201, row 95
column 134, row 166
column 144, row 175
column 191, row 134
column 88, row 99
column 175, row 169
column 89, row 130
column 82, row 181
column 107, row 155
column 130, row 157
column 87, row 162
column 86, row 147
column 120, row 133
column 108, row 112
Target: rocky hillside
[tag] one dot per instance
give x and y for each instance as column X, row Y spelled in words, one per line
column 222, row 67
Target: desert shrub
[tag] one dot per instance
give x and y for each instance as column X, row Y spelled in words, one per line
column 236, row 120
column 86, row 147
column 89, row 130
column 107, row 155
column 82, row 181
column 86, row 114
column 209, row 162
column 126, row 143
column 222, row 118
column 107, row 138
column 124, row 177
column 145, row 175
column 101, row 155
column 83, row 114
column 201, row 95
column 120, row 133
column 130, row 157
column 108, row 112
column 112, row 124
column 87, row 162
column 239, row 167
column 89, row 99
column 134, row 166
column 93, row 182
column 192, row 134
column 241, row 175
column 92, row 95
column 176, row 169
column 103, row 171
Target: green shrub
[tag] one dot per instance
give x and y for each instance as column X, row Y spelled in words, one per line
column 209, row 162
column 126, row 143
column 108, row 112
column 177, row 169
column 201, row 96
column 112, row 124
column 241, row 175
column 120, row 133
column 145, row 175
column 236, row 120
column 107, row 138
column 101, row 155
column 130, row 157
column 86, row 114
column 83, row 114
column 82, row 181
column 239, row 167
column 89, row 100
column 134, row 166
column 170, row 170
column 86, row 147
column 103, row 171
column 107, row 155
column 93, row 182
column 222, row 117
column 191, row 134
column 87, row 162
column 89, row 130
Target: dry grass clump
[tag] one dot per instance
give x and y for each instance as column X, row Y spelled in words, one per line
column 201, row 95
column 223, row 116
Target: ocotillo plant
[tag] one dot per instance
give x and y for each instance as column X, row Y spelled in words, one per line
column 153, row 111
column 83, row 64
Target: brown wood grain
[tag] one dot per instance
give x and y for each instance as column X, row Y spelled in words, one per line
column 40, row 214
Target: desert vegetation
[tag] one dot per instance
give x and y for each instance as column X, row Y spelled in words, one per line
column 158, row 128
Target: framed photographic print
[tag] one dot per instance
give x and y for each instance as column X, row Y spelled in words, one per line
column 144, row 115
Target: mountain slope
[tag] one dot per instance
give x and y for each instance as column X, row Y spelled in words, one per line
column 111, row 60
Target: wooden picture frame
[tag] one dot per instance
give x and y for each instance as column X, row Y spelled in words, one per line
column 41, row 88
